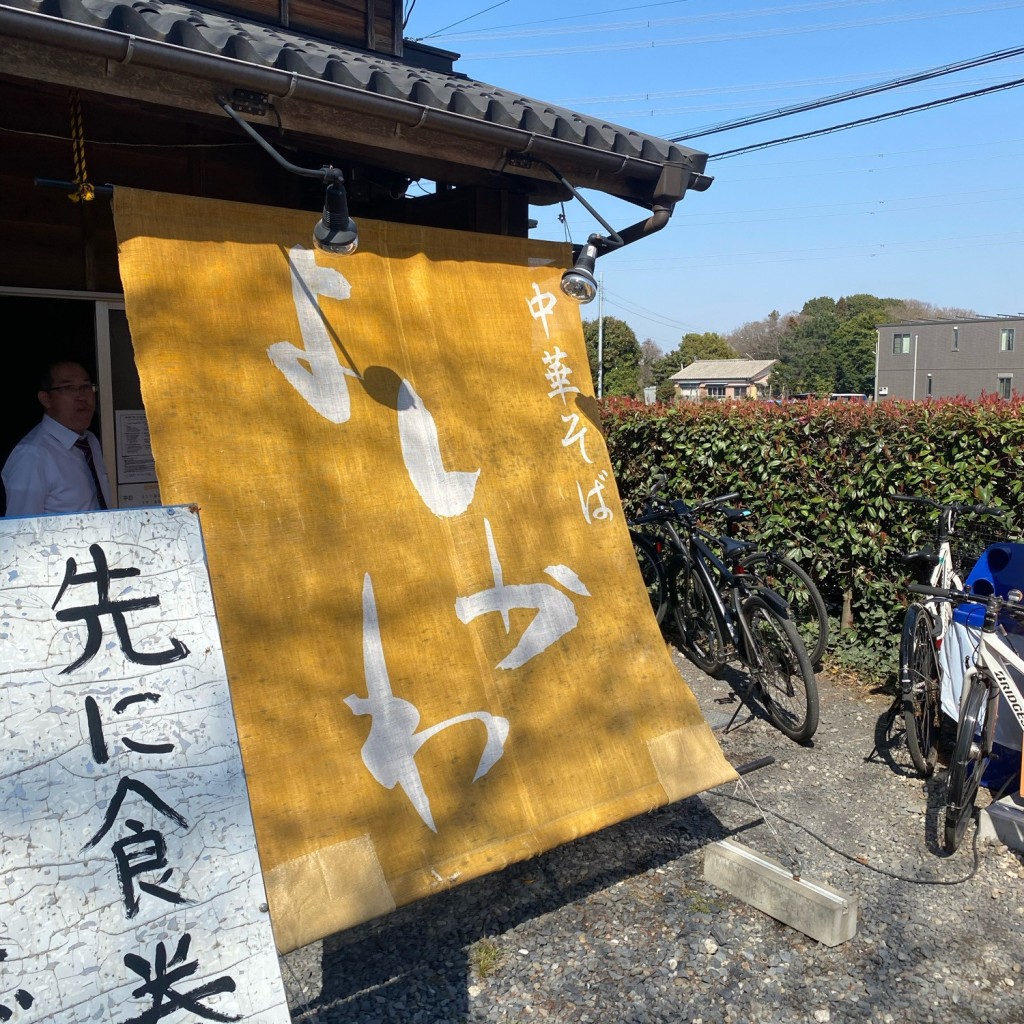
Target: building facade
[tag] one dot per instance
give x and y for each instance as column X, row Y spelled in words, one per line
column 948, row 358
column 99, row 94
column 723, row 378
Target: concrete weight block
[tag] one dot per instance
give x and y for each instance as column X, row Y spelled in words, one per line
column 813, row 908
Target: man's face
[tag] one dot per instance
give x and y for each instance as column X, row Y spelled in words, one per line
column 69, row 401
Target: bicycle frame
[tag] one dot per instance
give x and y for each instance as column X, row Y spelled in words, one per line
column 696, row 551
column 943, row 576
column 993, row 657
column 730, row 621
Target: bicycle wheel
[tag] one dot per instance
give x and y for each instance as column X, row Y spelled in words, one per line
column 970, row 757
column 700, row 635
column 806, row 605
column 653, row 573
column 784, row 675
column 919, row 683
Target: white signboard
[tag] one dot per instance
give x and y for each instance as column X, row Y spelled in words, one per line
column 130, row 887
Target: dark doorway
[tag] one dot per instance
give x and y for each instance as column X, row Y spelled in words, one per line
column 42, row 329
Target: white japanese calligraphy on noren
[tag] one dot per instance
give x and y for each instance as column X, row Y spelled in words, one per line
column 575, row 434
column 556, row 614
column 542, row 305
column 558, row 374
column 444, row 493
column 390, row 749
column 314, row 370
column 602, row 511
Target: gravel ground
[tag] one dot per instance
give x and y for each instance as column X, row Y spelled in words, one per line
column 621, row 927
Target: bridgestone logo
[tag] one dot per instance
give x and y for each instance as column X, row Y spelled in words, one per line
column 1011, row 693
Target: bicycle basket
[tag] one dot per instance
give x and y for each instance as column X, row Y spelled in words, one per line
column 971, row 539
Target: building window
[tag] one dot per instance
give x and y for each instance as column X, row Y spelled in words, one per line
column 716, row 391
column 929, row 385
column 901, row 344
column 956, row 339
column 740, row 392
column 1006, row 339
column 1005, row 385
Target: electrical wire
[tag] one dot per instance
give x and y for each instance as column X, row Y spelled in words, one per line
column 852, row 94
column 645, row 314
column 717, row 17
column 461, row 21
column 728, row 37
column 486, row 33
column 1013, row 84
column 857, row 860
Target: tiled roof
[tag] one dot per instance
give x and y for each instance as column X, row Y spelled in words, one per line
column 703, row 370
column 237, row 40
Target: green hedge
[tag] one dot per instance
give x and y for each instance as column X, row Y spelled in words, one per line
column 819, row 478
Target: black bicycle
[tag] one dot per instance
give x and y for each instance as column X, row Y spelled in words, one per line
column 777, row 571
column 720, row 612
column 771, row 568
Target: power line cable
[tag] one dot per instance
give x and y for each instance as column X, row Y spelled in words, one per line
column 868, row 120
column 852, row 94
column 548, row 21
column 641, row 311
column 728, row 37
column 717, row 16
column 461, row 21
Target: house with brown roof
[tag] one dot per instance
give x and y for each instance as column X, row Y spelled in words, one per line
column 723, row 378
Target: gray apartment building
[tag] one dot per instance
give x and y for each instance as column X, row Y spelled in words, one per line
column 945, row 358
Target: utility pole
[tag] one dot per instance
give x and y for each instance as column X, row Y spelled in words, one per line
column 600, row 334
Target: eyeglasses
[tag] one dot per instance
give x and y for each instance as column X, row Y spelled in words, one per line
column 74, row 389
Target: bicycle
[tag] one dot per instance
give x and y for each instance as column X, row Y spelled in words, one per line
column 653, row 574
column 924, row 626
column 986, row 677
column 777, row 571
column 770, row 567
column 718, row 610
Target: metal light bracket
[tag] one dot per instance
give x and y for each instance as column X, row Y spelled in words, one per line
column 249, row 102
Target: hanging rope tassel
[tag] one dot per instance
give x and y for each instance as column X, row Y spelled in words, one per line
column 84, row 192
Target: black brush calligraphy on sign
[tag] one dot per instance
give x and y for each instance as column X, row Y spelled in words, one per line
column 91, row 614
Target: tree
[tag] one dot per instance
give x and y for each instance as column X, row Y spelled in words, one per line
column 759, row 339
column 650, row 353
column 854, row 346
column 830, row 345
column 709, row 345
column 620, row 355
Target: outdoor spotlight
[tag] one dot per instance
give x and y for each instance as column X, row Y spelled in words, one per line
column 579, row 283
column 335, row 232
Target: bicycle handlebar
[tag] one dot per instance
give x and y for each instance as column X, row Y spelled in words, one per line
column 917, row 499
column 659, row 509
column 991, row 601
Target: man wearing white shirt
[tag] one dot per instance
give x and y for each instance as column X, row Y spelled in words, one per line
column 58, row 466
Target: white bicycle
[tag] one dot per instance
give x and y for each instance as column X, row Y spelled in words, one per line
column 924, row 626
column 986, row 677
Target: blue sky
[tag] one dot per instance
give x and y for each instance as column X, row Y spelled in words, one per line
column 927, row 206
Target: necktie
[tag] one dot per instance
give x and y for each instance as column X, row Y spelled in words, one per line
column 82, row 444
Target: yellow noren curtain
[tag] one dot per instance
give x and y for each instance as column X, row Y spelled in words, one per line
column 441, row 655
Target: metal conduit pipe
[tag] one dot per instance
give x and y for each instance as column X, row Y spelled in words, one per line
column 122, row 47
